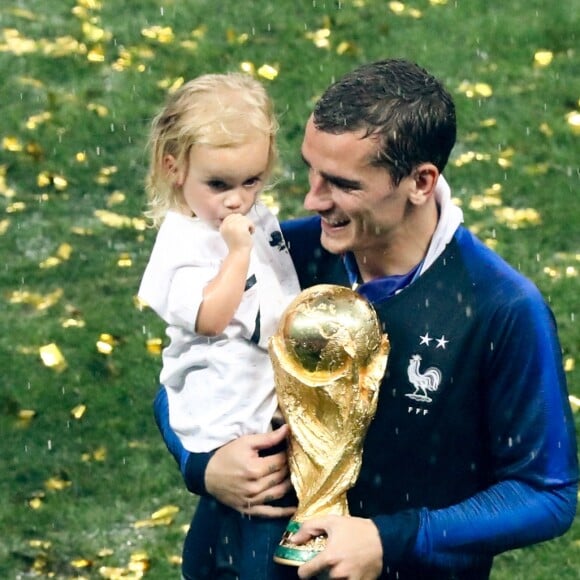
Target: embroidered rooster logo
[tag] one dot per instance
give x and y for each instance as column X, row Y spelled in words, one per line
column 422, row 381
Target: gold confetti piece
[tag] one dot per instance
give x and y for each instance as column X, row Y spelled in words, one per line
column 96, row 54
column 73, row 323
column 569, row 364
column 40, row 544
column 546, row 130
column 472, row 90
column 26, row 414
column 94, row 33
column 248, row 67
column 268, row 72
column 139, row 561
column 100, row 110
column 39, row 301
column 397, row 7
column 81, row 563
column 517, row 218
column 469, row 157
column 162, row 34
column 162, row 513
column 573, row 119
column 78, row 411
column 52, row 357
column 175, row 560
column 100, row 454
column 543, row 58
column 438, row 2
column 43, row 179
column 50, row 262
column 35, row 120
column 574, row 402
column 124, row 261
column 114, row 220
column 320, row 38
column 151, row 523
column 35, row 503
column 488, row 123
column 57, row 483
column 104, row 347
column 16, row 207
column 81, row 231
column 64, row 251
column 105, row 552
column 154, row 345
column 11, row 144
column 345, row 47
column 112, row 573
column 571, row 272
column 81, row 156
column 116, row 198
column 106, row 343
column 4, row 224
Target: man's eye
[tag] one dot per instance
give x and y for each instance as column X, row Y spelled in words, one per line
column 344, row 187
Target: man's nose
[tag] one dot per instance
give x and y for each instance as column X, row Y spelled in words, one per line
column 318, row 196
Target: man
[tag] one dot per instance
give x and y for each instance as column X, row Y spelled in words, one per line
column 472, row 449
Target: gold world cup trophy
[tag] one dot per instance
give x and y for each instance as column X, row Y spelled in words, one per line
column 329, row 357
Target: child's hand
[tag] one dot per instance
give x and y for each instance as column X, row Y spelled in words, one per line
column 237, row 230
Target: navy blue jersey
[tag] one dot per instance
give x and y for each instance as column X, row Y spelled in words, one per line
column 472, row 450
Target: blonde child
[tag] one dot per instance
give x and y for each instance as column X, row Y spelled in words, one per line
column 219, row 273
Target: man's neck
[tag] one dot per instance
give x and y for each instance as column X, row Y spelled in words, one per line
column 402, row 250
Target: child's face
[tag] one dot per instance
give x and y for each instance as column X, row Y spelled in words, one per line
column 219, row 181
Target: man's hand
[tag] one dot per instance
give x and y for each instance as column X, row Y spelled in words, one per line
column 238, row 477
column 353, row 549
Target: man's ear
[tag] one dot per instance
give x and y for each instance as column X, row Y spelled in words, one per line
column 424, row 180
column 172, row 169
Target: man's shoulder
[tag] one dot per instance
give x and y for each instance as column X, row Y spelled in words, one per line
column 313, row 263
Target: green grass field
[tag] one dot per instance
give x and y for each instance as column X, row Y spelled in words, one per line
column 88, row 490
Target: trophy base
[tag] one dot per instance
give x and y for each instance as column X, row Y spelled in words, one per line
column 291, row 554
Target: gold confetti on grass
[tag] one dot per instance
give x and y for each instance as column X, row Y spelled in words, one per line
column 35, row 299
column 115, row 220
column 543, row 58
column 57, row 483
column 573, row 119
column 52, row 357
column 516, row 219
column 320, row 37
column 154, row 345
column 268, row 71
column 106, row 343
column 78, row 412
column 162, row 517
column 475, row 90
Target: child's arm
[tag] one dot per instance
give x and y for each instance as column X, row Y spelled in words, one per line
column 223, row 294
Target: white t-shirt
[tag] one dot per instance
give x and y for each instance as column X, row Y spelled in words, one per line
column 218, row 387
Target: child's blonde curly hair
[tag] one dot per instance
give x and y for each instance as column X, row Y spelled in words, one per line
column 219, row 110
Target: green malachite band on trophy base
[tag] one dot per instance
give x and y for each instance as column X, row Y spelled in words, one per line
column 293, row 556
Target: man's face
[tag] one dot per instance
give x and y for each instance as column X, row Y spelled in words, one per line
column 361, row 209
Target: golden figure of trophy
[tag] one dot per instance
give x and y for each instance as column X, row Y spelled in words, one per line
column 329, row 356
